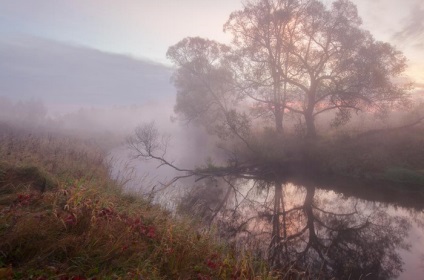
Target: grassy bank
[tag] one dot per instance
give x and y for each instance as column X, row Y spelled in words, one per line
column 62, row 217
column 396, row 156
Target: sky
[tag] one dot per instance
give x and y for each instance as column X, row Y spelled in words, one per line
column 42, row 39
column 139, row 28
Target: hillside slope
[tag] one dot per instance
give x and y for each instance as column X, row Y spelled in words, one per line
column 62, row 217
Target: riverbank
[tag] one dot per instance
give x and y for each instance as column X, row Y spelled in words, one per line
column 62, row 217
column 392, row 156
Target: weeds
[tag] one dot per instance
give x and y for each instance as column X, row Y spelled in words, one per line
column 62, row 217
column 387, row 155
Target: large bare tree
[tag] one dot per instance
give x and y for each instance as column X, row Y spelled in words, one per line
column 296, row 56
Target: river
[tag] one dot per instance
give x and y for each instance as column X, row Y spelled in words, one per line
column 329, row 233
column 340, row 228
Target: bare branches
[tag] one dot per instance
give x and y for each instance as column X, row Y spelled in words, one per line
column 148, row 144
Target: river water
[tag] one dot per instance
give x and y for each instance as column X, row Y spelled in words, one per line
column 339, row 230
column 330, row 233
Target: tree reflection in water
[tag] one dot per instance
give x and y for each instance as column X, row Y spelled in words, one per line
column 310, row 230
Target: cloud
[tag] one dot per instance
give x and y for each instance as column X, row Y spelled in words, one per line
column 59, row 73
column 412, row 30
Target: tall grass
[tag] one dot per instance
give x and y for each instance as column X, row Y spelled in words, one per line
column 374, row 156
column 62, row 217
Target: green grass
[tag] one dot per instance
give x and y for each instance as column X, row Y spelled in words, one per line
column 62, row 217
column 404, row 175
column 389, row 153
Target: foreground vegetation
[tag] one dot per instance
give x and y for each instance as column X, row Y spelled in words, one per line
column 62, row 217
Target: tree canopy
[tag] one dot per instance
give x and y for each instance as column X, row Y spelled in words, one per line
column 286, row 57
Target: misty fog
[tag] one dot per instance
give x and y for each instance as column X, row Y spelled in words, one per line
column 307, row 151
column 74, row 90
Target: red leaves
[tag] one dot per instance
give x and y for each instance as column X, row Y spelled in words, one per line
column 76, row 278
column 107, row 213
column 24, row 199
column 148, row 231
column 70, row 219
column 151, row 232
column 212, row 265
column 138, row 226
column 213, row 262
column 203, row 277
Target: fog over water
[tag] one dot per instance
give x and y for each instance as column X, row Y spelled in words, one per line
column 73, row 89
column 52, row 86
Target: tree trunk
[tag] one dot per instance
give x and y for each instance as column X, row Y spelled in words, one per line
column 307, row 206
column 311, row 132
column 277, row 104
column 278, row 120
column 274, row 259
